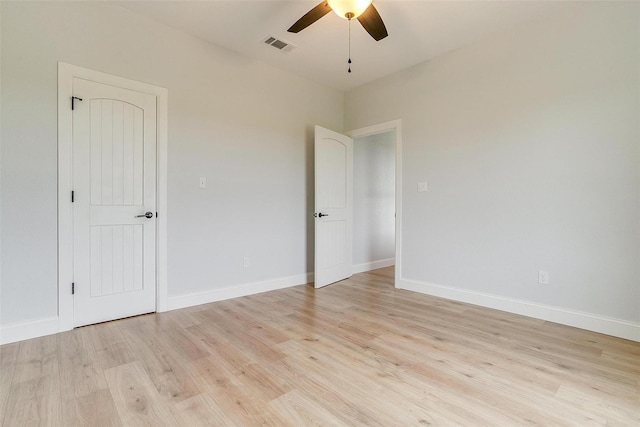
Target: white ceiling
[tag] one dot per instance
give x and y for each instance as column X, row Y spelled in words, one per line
column 418, row 30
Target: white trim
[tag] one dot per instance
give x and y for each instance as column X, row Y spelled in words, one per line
column 191, row 300
column 373, row 265
column 162, row 135
column 66, row 73
column 592, row 322
column 26, row 330
column 0, row 174
column 65, row 209
column 395, row 125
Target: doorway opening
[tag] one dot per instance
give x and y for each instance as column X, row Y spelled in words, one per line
column 374, row 187
column 377, row 197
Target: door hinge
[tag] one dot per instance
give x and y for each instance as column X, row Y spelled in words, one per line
column 73, row 289
column 73, row 196
column 73, row 99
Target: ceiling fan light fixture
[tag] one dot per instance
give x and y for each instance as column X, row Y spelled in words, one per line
column 349, row 9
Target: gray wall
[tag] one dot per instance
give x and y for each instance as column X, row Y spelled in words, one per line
column 374, row 183
column 244, row 125
column 529, row 142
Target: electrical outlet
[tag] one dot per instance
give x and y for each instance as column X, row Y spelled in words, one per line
column 246, row 262
column 543, row 277
column 422, row 186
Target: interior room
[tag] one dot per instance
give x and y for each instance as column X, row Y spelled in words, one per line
column 489, row 252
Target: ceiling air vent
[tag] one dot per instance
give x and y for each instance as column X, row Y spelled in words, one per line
column 281, row 45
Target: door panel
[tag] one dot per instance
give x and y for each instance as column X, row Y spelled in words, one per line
column 114, row 179
column 332, row 242
column 333, row 206
column 116, row 153
column 332, row 174
column 116, row 252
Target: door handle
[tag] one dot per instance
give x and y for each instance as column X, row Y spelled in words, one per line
column 147, row 214
column 320, row 215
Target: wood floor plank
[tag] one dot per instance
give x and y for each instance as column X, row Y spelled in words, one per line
column 8, row 355
column 258, row 381
column 322, row 391
column 244, row 406
column 107, row 345
column 35, row 402
column 589, row 400
column 220, row 348
column 320, row 361
column 136, row 399
column 174, row 337
column 184, row 318
column 95, row 409
column 79, row 374
column 356, row 353
column 36, row 358
column 203, row 410
column 163, row 363
column 301, row 410
column 218, row 324
column 254, row 316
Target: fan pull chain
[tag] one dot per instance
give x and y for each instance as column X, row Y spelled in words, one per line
column 349, row 61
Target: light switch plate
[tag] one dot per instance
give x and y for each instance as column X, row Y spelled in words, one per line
column 543, row 277
column 203, row 182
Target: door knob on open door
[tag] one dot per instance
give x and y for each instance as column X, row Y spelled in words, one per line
column 147, row 214
column 320, row 215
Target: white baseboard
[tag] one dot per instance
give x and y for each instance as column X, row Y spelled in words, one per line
column 38, row 328
column 190, row 300
column 374, row 265
column 592, row 322
column 27, row 330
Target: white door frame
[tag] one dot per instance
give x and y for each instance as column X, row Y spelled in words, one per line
column 393, row 125
column 66, row 73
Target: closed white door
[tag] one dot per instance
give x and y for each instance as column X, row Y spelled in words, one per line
column 333, row 206
column 114, row 185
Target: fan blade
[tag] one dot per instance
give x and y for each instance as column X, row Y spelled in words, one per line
column 372, row 22
column 310, row 17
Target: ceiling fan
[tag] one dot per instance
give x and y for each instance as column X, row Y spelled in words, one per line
column 363, row 10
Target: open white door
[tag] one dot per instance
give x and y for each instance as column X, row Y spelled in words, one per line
column 333, row 206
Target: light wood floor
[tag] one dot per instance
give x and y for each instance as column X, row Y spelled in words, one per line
column 356, row 353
